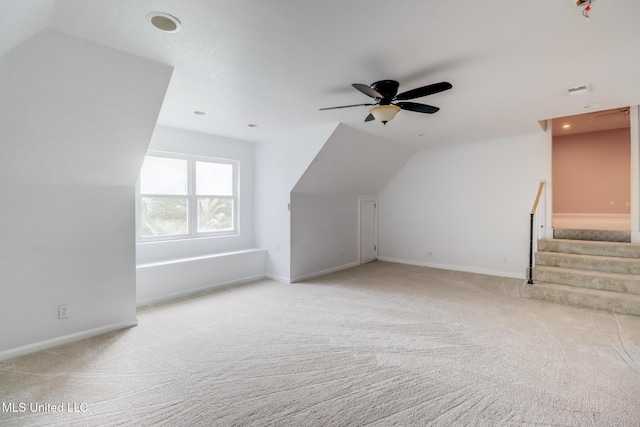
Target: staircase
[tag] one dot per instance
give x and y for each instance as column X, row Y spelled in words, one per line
column 586, row 271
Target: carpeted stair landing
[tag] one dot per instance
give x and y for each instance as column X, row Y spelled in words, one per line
column 593, row 235
column 593, row 274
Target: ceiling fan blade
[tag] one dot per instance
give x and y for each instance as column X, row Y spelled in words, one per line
column 344, row 106
column 418, row 108
column 369, row 118
column 367, row 90
column 620, row 111
column 424, row 91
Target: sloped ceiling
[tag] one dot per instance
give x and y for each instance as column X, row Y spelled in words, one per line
column 275, row 63
column 353, row 162
column 74, row 112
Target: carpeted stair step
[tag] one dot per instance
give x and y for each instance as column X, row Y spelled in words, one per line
column 594, row 235
column 582, row 297
column 614, row 282
column 589, row 262
column 584, row 247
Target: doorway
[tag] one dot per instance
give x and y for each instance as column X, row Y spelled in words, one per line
column 368, row 230
column 591, row 171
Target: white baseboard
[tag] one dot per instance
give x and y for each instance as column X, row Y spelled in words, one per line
column 66, row 339
column 188, row 292
column 455, row 268
column 323, row 272
column 277, row 278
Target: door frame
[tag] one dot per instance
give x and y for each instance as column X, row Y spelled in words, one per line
column 634, row 122
column 635, row 173
column 375, row 226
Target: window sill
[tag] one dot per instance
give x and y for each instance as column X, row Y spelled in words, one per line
column 185, row 239
column 198, row 258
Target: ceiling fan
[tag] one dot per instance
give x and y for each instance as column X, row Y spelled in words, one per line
column 623, row 111
column 385, row 94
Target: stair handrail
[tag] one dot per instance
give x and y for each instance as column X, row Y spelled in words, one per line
column 535, row 204
column 533, row 213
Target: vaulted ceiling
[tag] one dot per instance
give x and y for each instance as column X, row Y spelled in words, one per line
column 275, row 63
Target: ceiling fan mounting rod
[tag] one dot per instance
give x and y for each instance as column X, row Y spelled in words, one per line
column 387, row 88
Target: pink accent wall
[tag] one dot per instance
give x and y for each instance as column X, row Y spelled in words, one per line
column 590, row 170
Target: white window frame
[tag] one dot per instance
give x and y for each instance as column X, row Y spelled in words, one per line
column 191, row 196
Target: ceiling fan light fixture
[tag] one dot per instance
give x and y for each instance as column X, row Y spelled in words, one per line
column 384, row 113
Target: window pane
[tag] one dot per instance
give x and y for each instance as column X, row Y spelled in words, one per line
column 164, row 216
column 215, row 214
column 214, row 179
column 161, row 175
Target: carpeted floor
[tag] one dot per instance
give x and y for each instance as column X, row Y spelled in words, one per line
column 382, row 344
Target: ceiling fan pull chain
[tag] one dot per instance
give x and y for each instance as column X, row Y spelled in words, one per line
column 587, row 9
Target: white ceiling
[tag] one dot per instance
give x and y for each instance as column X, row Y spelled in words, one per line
column 276, row 62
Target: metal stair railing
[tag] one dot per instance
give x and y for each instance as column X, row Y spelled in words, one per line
column 531, row 228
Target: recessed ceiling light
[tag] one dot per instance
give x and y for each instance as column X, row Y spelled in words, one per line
column 164, row 22
column 200, row 113
column 252, row 125
column 566, row 126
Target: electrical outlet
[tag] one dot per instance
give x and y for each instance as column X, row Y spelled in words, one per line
column 63, row 311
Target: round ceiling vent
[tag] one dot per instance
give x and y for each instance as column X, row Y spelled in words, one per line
column 164, row 22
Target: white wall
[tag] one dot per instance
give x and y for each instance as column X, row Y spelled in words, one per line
column 75, row 121
column 324, row 217
column 181, row 141
column 324, row 229
column 64, row 244
column 465, row 207
column 279, row 165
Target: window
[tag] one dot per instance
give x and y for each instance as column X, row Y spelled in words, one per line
column 186, row 196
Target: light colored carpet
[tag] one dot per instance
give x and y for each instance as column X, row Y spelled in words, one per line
column 620, row 222
column 382, row 344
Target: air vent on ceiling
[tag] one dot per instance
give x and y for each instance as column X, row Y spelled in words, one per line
column 577, row 90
